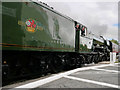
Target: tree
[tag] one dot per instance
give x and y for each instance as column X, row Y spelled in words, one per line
column 115, row 41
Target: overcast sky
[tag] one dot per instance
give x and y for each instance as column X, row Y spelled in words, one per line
column 100, row 17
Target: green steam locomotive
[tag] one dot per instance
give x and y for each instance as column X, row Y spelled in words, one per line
column 37, row 40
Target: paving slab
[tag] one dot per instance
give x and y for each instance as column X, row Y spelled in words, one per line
column 110, row 68
column 68, row 83
column 100, row 76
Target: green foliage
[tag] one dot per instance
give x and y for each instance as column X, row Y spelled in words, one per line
column 114, row 41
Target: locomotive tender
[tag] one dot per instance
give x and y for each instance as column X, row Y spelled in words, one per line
column 36, row 39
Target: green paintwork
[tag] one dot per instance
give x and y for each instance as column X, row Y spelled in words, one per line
column 83, row 48
column 42, row 39
column 97, row 42
column 11, row 13
column 50, row 31
column 77, row 41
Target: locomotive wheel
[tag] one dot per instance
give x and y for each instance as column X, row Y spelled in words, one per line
column 5, row 75
column 44, row 70
column 100, row 58
column 96, row 59
column 104, row 58
column 71, row 61
column 108, row 58
column 67, row 62
column 82, row 59
column 88, row 59
column 44, row 65
column 55, row 64
column 78, row 62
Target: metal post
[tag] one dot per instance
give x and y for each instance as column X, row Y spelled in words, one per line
column 112, row 57
column 77, row 40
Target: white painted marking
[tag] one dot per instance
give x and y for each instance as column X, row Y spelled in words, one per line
column 91, row 81
column 106, row 70
column 115, row 65
column 57, row 76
